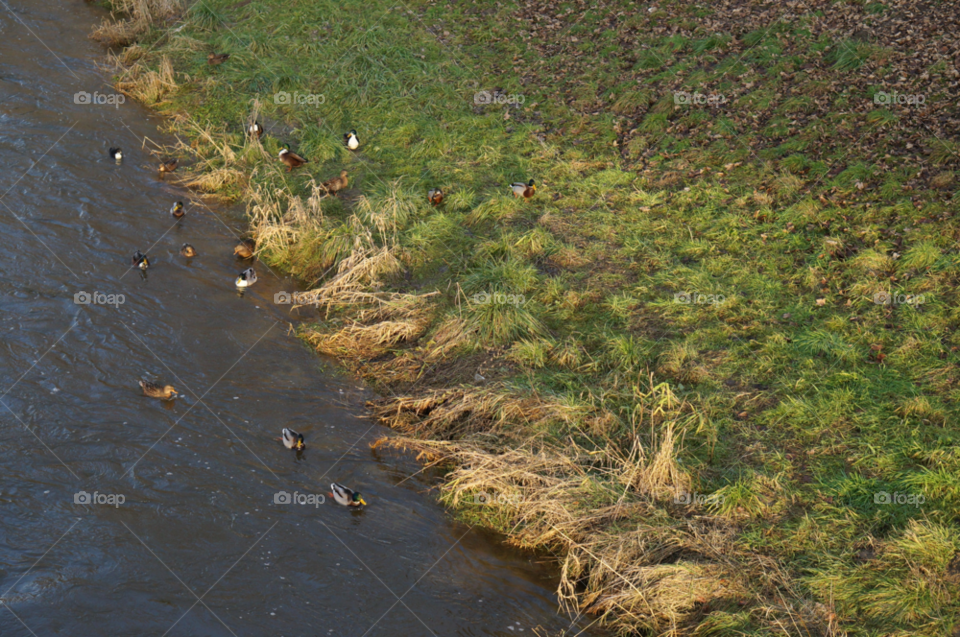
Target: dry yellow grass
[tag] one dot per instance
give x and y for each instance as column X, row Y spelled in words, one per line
column 145, row 84
column 138, row 15
column 625, row 563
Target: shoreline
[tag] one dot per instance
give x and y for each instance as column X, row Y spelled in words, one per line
column 668, row 367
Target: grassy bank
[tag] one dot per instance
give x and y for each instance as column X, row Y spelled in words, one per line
column 697, row 360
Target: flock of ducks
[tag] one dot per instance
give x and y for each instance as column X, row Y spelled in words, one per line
column 333, row 186
column 247, row 248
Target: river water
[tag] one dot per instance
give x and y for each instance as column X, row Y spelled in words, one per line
column 183, row 535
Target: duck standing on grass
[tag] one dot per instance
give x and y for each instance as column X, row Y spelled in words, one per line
column 140, row 260
column 435, row 196
column 247, row 278
column 292, row 440
column 351, row 140
column 335, row 185
column 255, row 130
column 177, row 210
column 117, row 154
column 168, row 166
column 525, row 190
column 291, row 159
column 166, row 392
column 346, row 496
column 187, row 250
column 216, row 59
column 245, row 249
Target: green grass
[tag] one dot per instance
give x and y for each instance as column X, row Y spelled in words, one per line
column 805, row 396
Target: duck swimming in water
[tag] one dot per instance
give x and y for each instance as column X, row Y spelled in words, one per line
column 177, row 210
column 140, row 260
column 168, row 166
column 245, row 248
column 346, row 496
column 247, row 278
column 153, row 390
column 292, row 440
column 117, row 154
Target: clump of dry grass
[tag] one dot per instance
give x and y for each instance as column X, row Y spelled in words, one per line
column 630, row 563
column 144, row 84
column 445, row 414
column 139, row 15
column 358, row 341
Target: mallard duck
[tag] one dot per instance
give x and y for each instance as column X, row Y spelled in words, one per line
column 177, row 210
column 158, row 391
column 215, row 59
column 140, row 260
column 335, row 185
column 291, row 159
column 245, row 249
column 525, row 190
column 187, row 250
column 292, row 440
column 168, row 166
column 351, row 140
column 346, row 496
column 117, row 154
column 255, row 130
column 247, row 278
column 435, row 196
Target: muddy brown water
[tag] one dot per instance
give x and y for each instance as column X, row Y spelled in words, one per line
column 184, row 536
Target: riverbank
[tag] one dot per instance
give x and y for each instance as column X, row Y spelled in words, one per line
column 711, row 363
